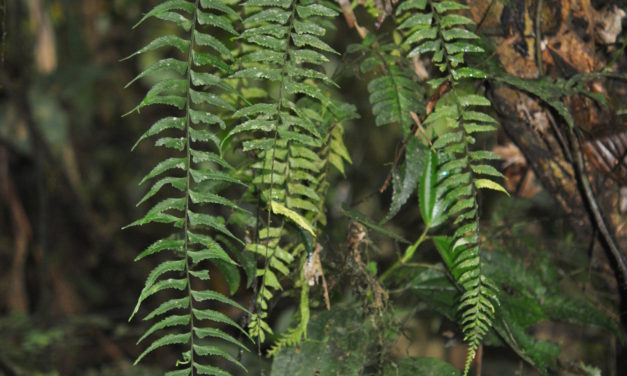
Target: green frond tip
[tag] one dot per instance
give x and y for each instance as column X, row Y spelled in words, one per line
column 490, row 184
column 167, row 7
column 280, row 209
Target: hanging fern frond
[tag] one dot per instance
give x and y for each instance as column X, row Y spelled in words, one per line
column 448, row 190
column 295, row 335
column 394, row 90
column 283, row 49
column 333, row 152
column 194, row 86
column 394, row 94
column 452, row 177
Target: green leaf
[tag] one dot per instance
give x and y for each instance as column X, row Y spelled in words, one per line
column 170, row 321
column 411, row 4
column 202, row 369
column 204, row 350
column 209, row 221
column 217, row 21
column 168, row 339
column 315, row 10
column 172, row 304
column 167, row 6
column 219, row 5
column 162, row 245
column 205, row 295
column 312, row 41
column 418, row 19
column 431, row 207
column 273, row 15
column 181, row 372
column 444, row 245
column 177, row 284
column 280, row 209
column 211, row 198
column 415, row 156
column 215, row 316
column 177, row 19
column 208, row 40
column 490, row 184
column 231, row 275
column 217, row 333
column 455, row 20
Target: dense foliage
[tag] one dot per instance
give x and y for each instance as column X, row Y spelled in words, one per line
column 280, row 241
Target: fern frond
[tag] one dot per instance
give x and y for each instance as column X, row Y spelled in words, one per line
column 394, row 94
column 295, row 335
column 452, row 178
column 394, row 90
column 453, row 194
column 195, row 87
column 282, row 49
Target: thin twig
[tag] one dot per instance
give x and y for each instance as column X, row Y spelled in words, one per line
column 483, row 18
column 421, row 128
column 597, row 214
column 539, row 38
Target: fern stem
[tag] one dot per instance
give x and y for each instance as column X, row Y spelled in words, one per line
column 580, row 167
column 409, row 252
column 188, row 186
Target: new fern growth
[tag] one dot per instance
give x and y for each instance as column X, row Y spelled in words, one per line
column 449, row 187
column 192, row 179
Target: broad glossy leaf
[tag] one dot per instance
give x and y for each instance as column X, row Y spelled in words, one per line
column 431, row 208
